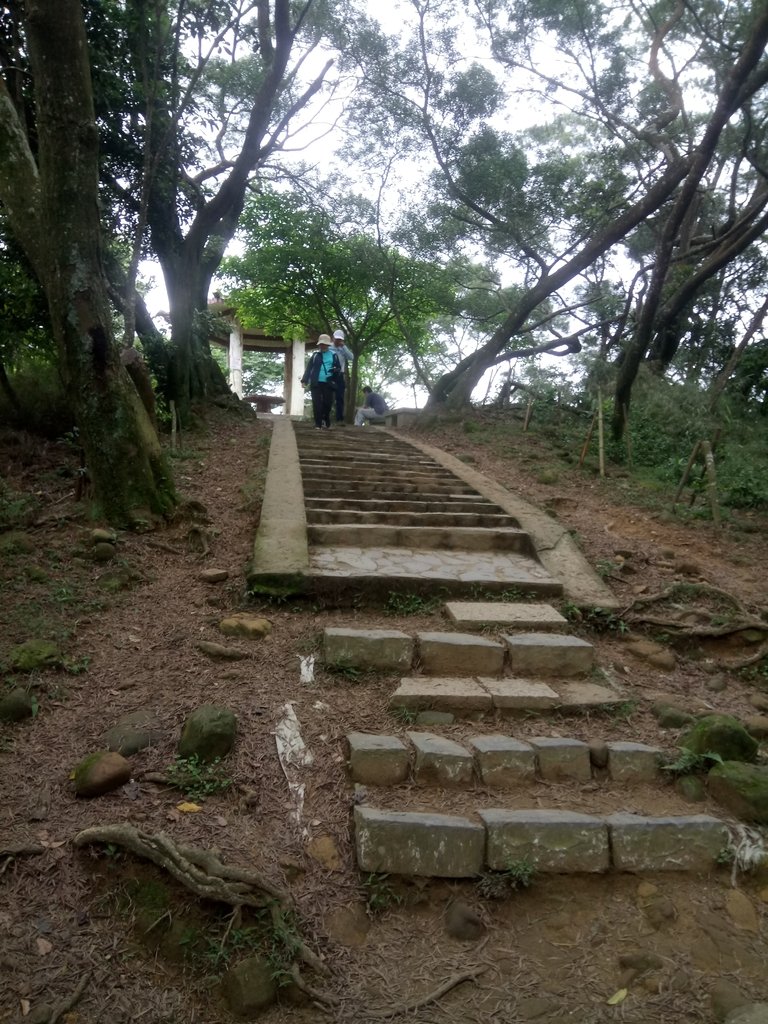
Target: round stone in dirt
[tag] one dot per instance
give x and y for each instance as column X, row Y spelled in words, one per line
column 214, row 575
column 691, row 789
column 722, row 735
column 209, row 732
column 757, row 726
column 100, row 773
column 249, row 987
column 133, row 732
column 16, row 706
column 464, row 923
column 103, row 552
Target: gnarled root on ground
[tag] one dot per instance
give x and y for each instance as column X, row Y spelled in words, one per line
column 203, row 873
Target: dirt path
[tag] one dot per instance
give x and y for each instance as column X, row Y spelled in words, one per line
column 149, row 951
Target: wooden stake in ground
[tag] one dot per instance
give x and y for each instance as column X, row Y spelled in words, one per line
column 587, row 439
column 528, row 412
column 600, row 431
column 627, row 436
column 686, row 474
column 173, row 424
column 709, row 465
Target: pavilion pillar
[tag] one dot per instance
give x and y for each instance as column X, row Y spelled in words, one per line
column 294, row 370
column 235, row 359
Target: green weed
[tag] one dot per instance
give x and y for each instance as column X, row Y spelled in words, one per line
column 410, row 604
column 197, row 779
column 496, row 885
column 407, row 716
column 687, row 762
column 379, row 894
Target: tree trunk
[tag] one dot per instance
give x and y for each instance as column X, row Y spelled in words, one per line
column 56, row 220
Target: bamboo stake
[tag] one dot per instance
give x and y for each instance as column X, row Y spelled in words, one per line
column 709, row 464
column 527, row 419
column 628, row 436
column 686, row 473
column 173, row 425
column 587, row 439
column 600, row 432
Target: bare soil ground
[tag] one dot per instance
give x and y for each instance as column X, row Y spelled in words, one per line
column 138, row 947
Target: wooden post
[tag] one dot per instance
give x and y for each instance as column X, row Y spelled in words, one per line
column 627, row 435
column 686, row 474
column 587, row 439
column 173, row 425
column 600, row 433
column 709, row 465
column 527, row 419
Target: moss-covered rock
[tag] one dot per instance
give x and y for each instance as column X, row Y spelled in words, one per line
column 722, row 735
column 16, row 706
column 100, row 773
column 208, row 733
column 249, row 987
column 742, row 789
column 34, row 655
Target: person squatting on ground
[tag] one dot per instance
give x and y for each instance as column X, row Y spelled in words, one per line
column 345, row 357
column 321, row 375
column 373, row 406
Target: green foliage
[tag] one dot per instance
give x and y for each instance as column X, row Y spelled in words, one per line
column 41, row 405
column 379, row 894
column 410, row 604
column 687, row 762
column 497, row 885
column 197, row 779
column 602, row 620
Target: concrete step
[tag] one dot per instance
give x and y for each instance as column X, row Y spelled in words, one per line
column 355, row 489
column 375, row 478
column 443, row 653
column 476, row 696
column 549, row 654
column 496, row 761
column 347, row 574
column 422, row 537
column 504, row 614
column 552, row 841
column 467, row 503
column 444, row 519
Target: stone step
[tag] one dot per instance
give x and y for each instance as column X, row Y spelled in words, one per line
column 447, row 654
column 356, row 489
column 555, row 841
column 549, row 654
column 427, row 537
column 346, row 573
column 353, row 458
column 376, row 478
column 445, row 519
column 475, row 696
column 495, row 761
column 506, row 614
column 467, row 503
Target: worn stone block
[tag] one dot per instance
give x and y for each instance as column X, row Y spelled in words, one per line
column 517, row 615
column 377, row 760
column 519, row 694
column 462, row 696
column 383, row 649
column 560, row 759
column 410, row 843
column 553, row 841
column 549, row 654
column 633, row 762
column 443, row 654
column 503, row 761
column 583, row 696
column 440, row 761
column 666, row 844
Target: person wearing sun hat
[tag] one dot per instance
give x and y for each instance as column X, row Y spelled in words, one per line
column 321, row 376
column 345, row 357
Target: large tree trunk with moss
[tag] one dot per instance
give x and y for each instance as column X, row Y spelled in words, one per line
column 52, row 206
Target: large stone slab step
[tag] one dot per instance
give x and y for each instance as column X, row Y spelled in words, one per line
column 495, row 761
column 470, row 503
column 475, row 696
column 458, row 538
column 355, row 488
column 549, row 841
column 505, row 614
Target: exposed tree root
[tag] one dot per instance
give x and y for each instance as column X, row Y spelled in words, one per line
column 741, row 621
column 469, row 975
column 65, row 1005
column 202, row 872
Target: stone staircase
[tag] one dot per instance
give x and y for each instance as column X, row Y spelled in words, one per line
column 358, row 514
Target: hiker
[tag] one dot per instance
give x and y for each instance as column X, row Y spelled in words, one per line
column 372, row 407
column 321, row 375
column 345, row 357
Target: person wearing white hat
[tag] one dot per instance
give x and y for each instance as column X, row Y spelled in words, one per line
column 345, row 357
column 321, row 376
